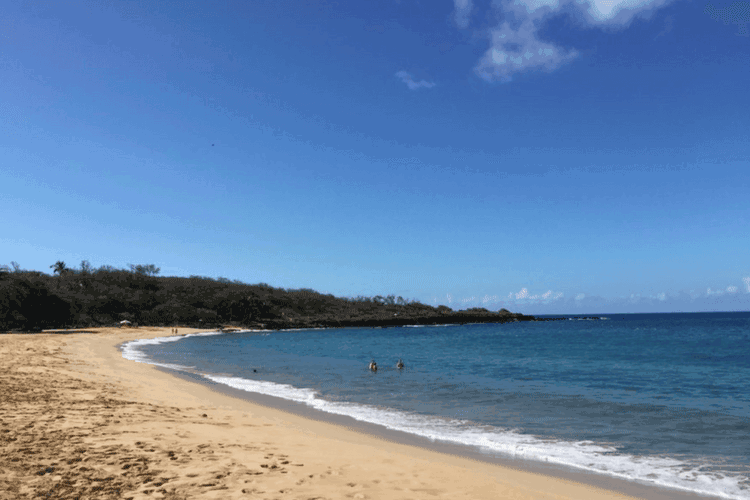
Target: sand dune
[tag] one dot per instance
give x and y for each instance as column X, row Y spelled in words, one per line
column 79, row 421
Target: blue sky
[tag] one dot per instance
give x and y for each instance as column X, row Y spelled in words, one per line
column 544, row 156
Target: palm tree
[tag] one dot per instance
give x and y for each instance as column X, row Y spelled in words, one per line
column 59, row 270
column 59, row 267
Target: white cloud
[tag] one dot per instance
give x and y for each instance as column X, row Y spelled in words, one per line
column 727, row 298
column 730, row 289
column 526, row 296
column 513, row 50
column 603, row 11
column 549, row 294
column 462, row 12
column 515, row 45
column 413, row 84
column 533, row 5
column 496, row 301
column 489, row 298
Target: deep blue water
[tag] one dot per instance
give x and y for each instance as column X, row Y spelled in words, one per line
column 659, row 398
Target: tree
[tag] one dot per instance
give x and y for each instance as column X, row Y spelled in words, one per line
column 86, row 267
column 144, row 269
column 30, row 306
column 59, row 268
column 16, row 267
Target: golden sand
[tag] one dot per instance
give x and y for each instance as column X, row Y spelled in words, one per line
column 77, row 420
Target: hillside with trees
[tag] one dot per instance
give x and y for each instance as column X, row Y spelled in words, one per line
column 86, row 297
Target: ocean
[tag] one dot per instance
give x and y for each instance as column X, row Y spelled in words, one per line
column 656, row 399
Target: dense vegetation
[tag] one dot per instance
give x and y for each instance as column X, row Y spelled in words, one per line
column 86, row 297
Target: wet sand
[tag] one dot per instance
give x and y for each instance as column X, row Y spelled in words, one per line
column 79, row 421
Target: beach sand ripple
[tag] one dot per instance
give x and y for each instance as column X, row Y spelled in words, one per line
column 62, row 438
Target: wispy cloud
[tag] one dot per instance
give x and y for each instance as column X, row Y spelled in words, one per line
column 518, row 49
column 462, row 13
column 729, row 289
column 412, row 83
column 515, row 44
column 526, row 296
column 487, row 299
column 727, row 298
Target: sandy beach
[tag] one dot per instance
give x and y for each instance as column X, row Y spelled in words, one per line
column 79, row 421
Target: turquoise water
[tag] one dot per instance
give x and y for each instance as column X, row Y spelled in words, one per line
column 656, row 398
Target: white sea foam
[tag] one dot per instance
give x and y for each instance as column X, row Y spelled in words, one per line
column 584, row 455
column 426, row 326
column 130, row 350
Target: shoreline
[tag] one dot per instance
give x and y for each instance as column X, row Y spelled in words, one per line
column 632, row 487
column 200, row 439
column 626, row 487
